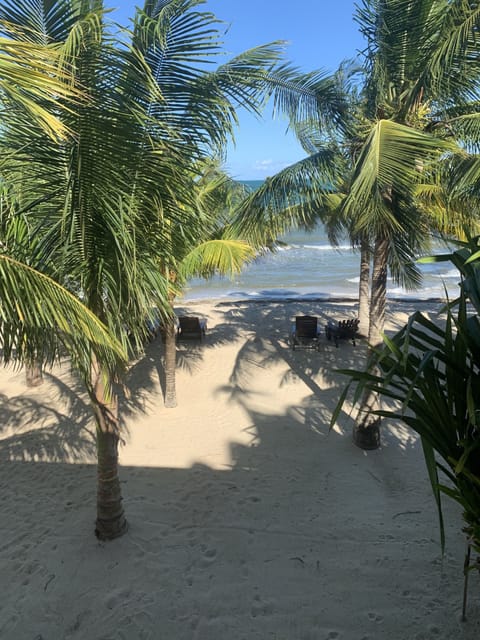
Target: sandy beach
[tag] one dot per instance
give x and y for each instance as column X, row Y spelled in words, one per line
column 248, row 519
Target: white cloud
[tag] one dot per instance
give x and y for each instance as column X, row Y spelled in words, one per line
column 258, row 170
column 268, row 166
column 263, row 165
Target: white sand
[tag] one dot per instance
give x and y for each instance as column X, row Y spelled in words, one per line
column 248, row 520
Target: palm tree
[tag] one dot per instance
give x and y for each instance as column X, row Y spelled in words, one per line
column 102, row 204
column 421, row 58
column 210, row 249
column 418, row 65
column 38, row 315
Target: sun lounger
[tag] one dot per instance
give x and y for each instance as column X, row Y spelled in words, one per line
column 191, row 328
column 305, row 333
column 342, row 330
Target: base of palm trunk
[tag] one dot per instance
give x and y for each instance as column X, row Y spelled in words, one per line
column 34, row 376
column 367, row 436
column 109, row 530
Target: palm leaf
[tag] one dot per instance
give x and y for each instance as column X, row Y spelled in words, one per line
column 392, row 157
column 224, row 257
column 36, row 310
column 32, row 80
column 295, row 197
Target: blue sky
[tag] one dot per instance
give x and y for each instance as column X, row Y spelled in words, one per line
column 320, row 34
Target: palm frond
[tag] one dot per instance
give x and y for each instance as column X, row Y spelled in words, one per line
column 393, row 157
column 223, row 257
column 32, row 81
column 298, row 196
column 37, row 315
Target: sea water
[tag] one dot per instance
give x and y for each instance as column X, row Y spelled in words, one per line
column 308, row 266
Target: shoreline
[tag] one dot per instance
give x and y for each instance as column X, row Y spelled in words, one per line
column 303, row 299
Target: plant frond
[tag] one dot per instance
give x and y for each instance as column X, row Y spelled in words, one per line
column 223, row 257
column 37, row 312
column 393, row 158
column 299, row 196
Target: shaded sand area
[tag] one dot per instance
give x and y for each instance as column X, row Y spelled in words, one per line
column 248, row 519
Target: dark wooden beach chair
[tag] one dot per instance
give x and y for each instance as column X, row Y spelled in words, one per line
column 342, row 330
column 191, row 328
column 304, row 333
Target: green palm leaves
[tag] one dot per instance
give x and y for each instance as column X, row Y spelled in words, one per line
column 393, row 157
column 37, row 315
column 32, row 79
column 222, row 256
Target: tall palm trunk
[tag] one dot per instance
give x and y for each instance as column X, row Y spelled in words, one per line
column 111, row 522
column 364, row 288
column 34, row 374
column 366, row 431
column 170, row 400
column 378, row 301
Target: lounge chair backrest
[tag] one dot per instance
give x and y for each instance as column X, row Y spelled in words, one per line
column 306, row 326
column 190, row 327
column 348, row 328
column 342, row 330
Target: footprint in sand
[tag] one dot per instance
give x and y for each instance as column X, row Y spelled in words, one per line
column 117, row 598
column 192, row 538
column 209, row 556
column 245, row 571
column 374, row 617
column 261, row 607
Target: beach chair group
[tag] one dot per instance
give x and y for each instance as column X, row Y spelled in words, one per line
column 305, row 332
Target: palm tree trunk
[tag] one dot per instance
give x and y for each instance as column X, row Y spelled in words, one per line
column 34, row 374
column 378, row 301
column 366, row 431
column 170, row 400
column 111, row 522
column 364, row 288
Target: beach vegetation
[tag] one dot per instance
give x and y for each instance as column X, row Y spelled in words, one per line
column 40, row 320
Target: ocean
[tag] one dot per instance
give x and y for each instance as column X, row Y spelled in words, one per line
column 308, row 267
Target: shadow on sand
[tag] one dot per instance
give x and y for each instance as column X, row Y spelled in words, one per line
column 300, row 527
